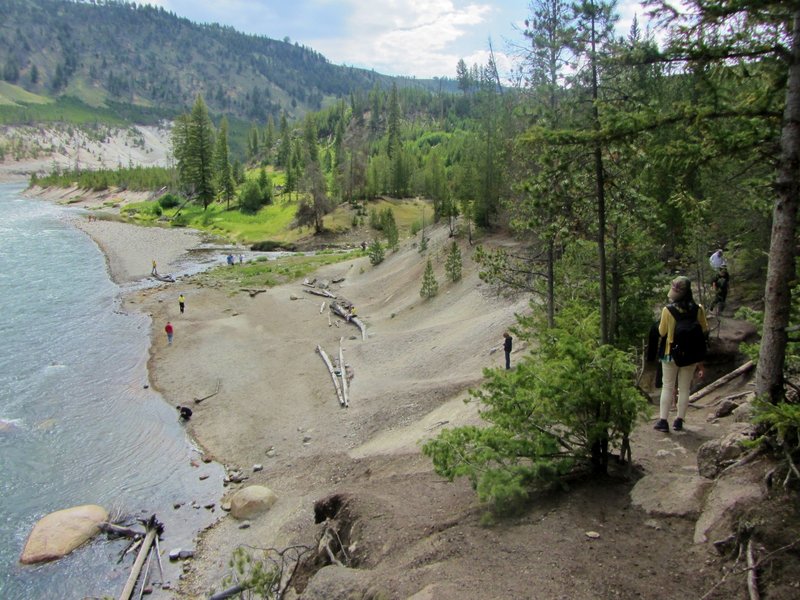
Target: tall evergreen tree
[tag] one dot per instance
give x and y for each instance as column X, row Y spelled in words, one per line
column 430, row 287
column 225, row 184
column 200, row 153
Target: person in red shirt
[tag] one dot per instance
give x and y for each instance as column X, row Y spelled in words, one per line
column 169, row 331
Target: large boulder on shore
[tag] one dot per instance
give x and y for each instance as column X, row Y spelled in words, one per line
column 251, row 501
column 59, row 533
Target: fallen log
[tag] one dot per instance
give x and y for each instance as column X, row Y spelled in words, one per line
column 332, row 372
column 343, row 374
column 721, row 381
column 229, row 593
column 199, row 400
column 349, row 317
column 317, row 292
column 254, row 291
column 146, row 572
column 112, row 529
column 137, row 565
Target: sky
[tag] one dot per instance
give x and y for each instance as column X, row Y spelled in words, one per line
column 418, row 38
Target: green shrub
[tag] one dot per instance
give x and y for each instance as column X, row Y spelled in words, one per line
column 562, row 408
column 376, row 252
column 169, row 201
column 272, row 246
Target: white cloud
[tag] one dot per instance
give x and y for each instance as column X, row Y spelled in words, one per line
column 416, row 37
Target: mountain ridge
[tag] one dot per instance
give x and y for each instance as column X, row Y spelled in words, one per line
column 107, row 52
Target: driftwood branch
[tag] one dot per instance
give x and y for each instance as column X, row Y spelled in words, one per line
column 343, row 374
column 721, row 381
column 318, row 292
column 349, row 317
column 117, row 530
column 146, row 572
column 137, row 565
column 752, row 573
column 229, row 593
column 254, row 291
column 158, row 557
column 331, row 370
column 199, row 400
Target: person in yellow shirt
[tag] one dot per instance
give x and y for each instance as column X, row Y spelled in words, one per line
column 681, row 303
column 181, row 302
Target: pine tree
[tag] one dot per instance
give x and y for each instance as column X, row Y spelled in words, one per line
column 389, row 227
column 285, row 147
column 265, row 185
column 226, row 186
column 199, row 154
column 376, row 252
column 453, row 264
column 429, row 285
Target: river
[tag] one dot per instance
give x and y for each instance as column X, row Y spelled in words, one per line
column 78, row 421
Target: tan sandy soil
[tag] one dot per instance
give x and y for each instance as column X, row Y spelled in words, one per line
column 409, row 533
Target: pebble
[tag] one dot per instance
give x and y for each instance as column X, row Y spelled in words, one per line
column 245, row 525
column 203, row 477
column 257, row 468
column 592, row 534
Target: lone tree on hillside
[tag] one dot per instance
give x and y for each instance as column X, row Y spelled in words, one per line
column 429, row 285
column 453, row 264
column 316, row 205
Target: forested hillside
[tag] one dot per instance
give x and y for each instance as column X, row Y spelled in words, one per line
column 115, row 54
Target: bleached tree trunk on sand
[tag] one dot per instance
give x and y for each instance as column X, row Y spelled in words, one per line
column 328, row 364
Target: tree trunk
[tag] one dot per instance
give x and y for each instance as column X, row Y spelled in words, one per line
column 601, row 195
column 781, row 270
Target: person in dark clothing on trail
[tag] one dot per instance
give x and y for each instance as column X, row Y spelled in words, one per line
column 507, row 348
column 720, row 285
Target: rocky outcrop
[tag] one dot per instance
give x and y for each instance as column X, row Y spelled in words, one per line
column 670, row 494
column 716, row 454
column 251, row 501
column 59, row 533
column 730, row 493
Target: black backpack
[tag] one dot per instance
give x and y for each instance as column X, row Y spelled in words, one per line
column 689, row 341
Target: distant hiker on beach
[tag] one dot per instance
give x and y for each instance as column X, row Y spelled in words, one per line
column 154, row 271
column 186, row 412
column 170, row 332
column 507, row 343
column 181, row 302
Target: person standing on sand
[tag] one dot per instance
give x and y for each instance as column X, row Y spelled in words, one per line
column 154, row 271
column 507, row 343
column 181, row 302
column 170, row 331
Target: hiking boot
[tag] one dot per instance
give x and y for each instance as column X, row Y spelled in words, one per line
column 662, row 425
column 678, row 424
